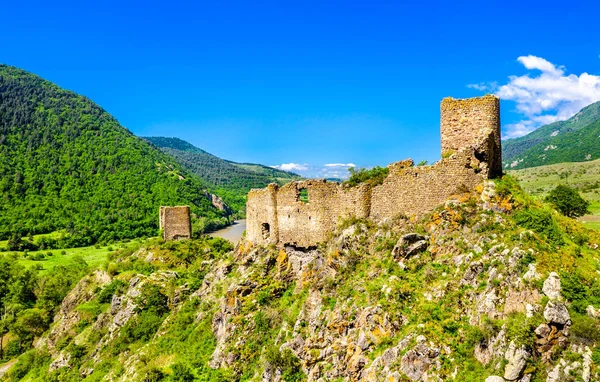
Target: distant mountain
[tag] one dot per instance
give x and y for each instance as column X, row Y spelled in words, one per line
column 574, row 140
column 229, row 179
column 66, row 164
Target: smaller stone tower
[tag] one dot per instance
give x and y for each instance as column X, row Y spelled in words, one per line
column 473, row 123
column 175, row 223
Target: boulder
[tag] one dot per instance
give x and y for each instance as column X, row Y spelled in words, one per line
column 557, row 313
column 517, row 359
column 417, row 361
column 531, row 273
column 494, row 378
column 592, row 312
column 552, row 287
column 410, row 244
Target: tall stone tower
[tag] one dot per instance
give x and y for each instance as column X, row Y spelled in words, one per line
column 175, row 223
column 473, row 123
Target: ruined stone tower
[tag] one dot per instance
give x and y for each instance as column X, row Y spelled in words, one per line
column 475, row 123
column 175, row 223
column 304, row 213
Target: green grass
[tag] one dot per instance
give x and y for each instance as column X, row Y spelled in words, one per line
column 93, row 256
column 53, row 235
column 595, row 207
column 582, row 176
column 592, row 225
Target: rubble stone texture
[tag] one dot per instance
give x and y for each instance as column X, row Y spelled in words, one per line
column 471, row 153
column 175, row 223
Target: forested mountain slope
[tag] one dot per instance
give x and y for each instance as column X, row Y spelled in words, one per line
column 574, row 140
column 230, row 180
column 66, row 164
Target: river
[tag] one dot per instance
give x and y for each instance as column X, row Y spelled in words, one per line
column 233, row 232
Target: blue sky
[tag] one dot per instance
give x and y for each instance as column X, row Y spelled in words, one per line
column 310, row 83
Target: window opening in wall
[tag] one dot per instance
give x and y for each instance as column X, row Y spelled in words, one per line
column 266, row 230
column 303, row 195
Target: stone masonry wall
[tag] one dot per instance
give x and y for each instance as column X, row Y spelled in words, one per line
column 474, row 123
column 415, row 191
column 175, row 223
column 261, row 215
column 305, row 224
column 470, row 134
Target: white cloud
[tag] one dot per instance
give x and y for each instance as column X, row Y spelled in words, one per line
column 544, row 97
column 292, row 167
column 328, row 170
column 534, row 62
column 480, row 86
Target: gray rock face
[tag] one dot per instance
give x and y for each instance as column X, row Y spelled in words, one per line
column 531, row 273
column 417, row 361
column 494, row 378
column 472, row 272
column 557, row 313
column 552, row 287
column 517, row 358
column 410, row 244
column 492, row 348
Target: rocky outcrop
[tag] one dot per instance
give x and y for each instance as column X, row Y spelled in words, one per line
column 67, row 318
column 552, row 287
column 218, row 203
column 416, row 362
column 410, row 245
column 556, row 313
column 516, row 357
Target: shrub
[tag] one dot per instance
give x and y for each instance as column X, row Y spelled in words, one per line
column 568, row 201
column 540, row 221
column 584, row 329
column 115, row 287
column 287, row 362
column 154, row 375
column 182, row 373
column 373, row 176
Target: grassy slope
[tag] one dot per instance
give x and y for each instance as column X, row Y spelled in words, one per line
column 46, row 260
column 583, row 176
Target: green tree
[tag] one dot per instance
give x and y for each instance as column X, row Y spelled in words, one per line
column 568, row 201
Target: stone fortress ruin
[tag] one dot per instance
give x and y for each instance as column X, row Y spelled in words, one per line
column 175, row 223
column 304, row 213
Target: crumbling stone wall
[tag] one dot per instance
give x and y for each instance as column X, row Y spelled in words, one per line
column 470, row 134
column 175, row 223
column 473, row 123
column 305, row 224
column 261, row 215
column 415, row 191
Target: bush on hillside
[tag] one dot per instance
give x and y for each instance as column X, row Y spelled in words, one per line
column 568, row 201
column 540, row 221
column 373, row 176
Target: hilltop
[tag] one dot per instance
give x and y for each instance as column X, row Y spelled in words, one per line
column 229, row 179
column 67, row 165
column 498, row 286
column 574, row 140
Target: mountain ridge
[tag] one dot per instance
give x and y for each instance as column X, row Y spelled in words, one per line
column 556, row 142
column 67, row 164
column 229, row 179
